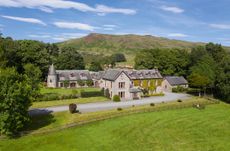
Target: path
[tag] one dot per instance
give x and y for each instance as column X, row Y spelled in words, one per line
column 100, row 106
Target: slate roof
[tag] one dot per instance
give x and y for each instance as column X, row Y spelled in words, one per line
column 73, row 75
column 176, row 80
column 144, row 74
column 97, row 75
column 112, row 74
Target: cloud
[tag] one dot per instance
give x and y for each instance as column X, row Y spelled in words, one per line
column 49, row 5
column 106, row 9
column 110, row 26
column 179, row 35
column 57, row 37
column 39, row 36
column 74, row 25
column 172, row 9
column 46, row 9
column 220, row 26
column 22, row 19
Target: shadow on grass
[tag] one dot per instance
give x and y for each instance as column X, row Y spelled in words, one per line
column 39, row 118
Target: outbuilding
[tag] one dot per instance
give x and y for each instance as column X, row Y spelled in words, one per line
column 171, row 82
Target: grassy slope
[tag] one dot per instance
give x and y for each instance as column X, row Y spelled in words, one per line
column 67, row 102
column 127, row 44
column 104, row 44
column 180, row 130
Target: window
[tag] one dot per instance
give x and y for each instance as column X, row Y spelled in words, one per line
column 50, row 81
column 121, row 94
column 121, row 85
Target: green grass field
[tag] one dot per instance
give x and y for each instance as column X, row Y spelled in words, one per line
column 187, row 129
column 68, row 101
column 63, row 91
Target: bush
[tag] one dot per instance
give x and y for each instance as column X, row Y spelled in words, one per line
column 116, row 98
column 152, row 104
column 179, row 100
column 106, row 93
column 89, row 83
column 118, row 57
column 85, row 94
column 72, row 108
column 119, row 109
column 179, row 89
column 80, row 82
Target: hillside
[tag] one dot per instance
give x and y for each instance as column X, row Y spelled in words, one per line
column 103, row 43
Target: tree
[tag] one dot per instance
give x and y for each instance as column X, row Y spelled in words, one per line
column 216, row 51
column 203, row 73
column 33, row 74
column 15, row 96
column 34, row 52
column 168, row 61
column 95, row 66
column 118, row 57
column 222, row 85
column 196, row 54
column 70, row 59
column 9, row 54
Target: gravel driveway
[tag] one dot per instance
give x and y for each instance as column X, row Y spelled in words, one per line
column 91, row 107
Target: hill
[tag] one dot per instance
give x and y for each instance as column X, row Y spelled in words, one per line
column 105, row 44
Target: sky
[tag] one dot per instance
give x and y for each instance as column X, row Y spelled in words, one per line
column 60, row 20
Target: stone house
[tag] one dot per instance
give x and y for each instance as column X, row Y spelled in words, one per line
column 68, row 78
column 128, row 84
column 171, row 82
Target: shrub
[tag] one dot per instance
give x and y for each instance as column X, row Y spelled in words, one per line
column 85, row 94
column 118, row 57
column 116, row 98
column 106, row 93
column 80, row 82
column 89, row 83
column 179, row 100
column 179, row 89
column 72, row 108
column 119, row 109
column 145, row 92
column 152, row 104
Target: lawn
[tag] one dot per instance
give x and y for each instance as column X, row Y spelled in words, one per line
column 187, row 129
column 68, row 101
column 63, row 91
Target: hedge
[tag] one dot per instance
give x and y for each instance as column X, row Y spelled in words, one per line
column 91, row 94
